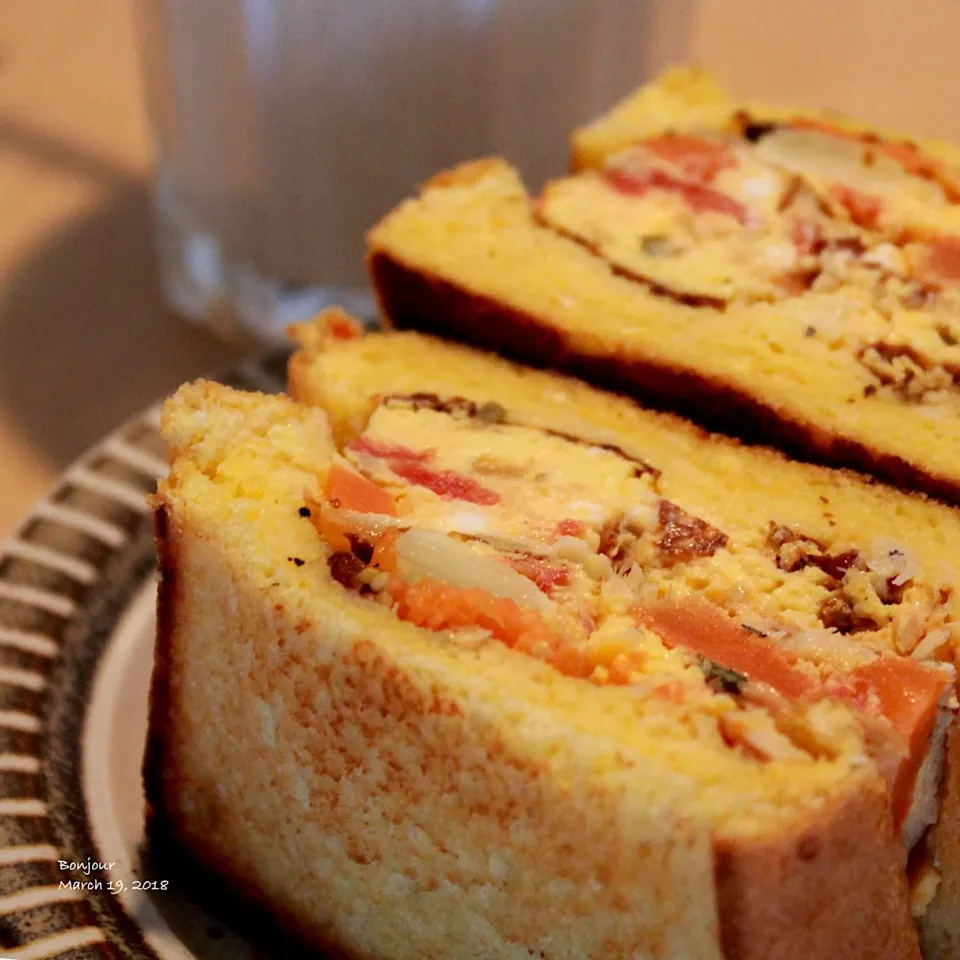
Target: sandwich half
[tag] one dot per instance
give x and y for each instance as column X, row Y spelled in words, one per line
column 779, row 275
column 786, row 594
column 458, row 659
column 389, row 789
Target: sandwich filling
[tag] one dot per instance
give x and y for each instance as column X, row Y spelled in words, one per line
column 749, row 210
column 786, row 648
column 861, row 228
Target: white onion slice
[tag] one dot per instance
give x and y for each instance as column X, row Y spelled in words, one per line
column 812, row 152
column 931, row 643
column 821, row 646
column 925, row 806
column 563, row 548
column 426, row 553
column 510, row 544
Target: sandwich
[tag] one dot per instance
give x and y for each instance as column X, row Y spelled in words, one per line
column 780, row 275
column 886, row 180
column 461, row 659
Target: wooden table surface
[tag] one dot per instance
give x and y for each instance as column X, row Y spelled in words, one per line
column 84, row 338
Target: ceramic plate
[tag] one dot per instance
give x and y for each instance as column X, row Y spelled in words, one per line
column 77, row 594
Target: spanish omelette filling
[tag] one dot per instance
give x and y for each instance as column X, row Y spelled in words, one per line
column 864, row 233
column 781, row 646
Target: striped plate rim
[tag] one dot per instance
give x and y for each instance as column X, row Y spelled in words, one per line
column 67, row 573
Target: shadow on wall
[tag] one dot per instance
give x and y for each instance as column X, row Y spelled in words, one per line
column 85, row 340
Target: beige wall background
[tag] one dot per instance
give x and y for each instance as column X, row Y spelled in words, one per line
column 895, row 61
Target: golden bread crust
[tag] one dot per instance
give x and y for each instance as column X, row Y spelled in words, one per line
column 313, row 338
column 157, row 708
column 464, row 174
column 249, row 825
column 307, row 384
column 172, row 839
column 840, row 892
column 679, row 91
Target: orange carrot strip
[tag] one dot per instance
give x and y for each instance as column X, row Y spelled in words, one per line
column 440, row 606
column 348, row 490
column 384, row 552
column 909, row 693
column 334, row 533
column 705, row 629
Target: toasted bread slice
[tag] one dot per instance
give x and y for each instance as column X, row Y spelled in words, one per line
column 826, row 373
column 383, row 791
column 405, row 791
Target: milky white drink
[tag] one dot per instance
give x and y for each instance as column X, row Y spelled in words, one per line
column 286, row 128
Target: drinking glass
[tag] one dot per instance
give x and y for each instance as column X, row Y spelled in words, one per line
column 285, row 129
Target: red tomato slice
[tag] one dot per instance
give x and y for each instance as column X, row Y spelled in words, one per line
column 864, row 210
column 699, row 198
column 569, row 528
column 547, row 576
column 351, row 491
column 445, row 483
column 908, row 693
column 702, row 628
column 410, row 465
column 698, row 158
